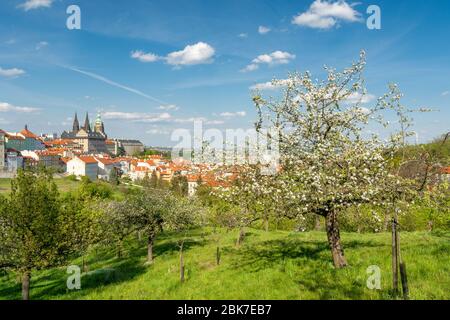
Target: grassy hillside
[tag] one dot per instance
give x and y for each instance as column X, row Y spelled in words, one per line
column 274, row 265
column 63, row 184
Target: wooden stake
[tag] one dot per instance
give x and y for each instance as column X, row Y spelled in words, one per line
column 403, row 275
column 404, row 281
column 394, row 259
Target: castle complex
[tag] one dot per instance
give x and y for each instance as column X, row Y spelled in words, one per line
column 92, row 139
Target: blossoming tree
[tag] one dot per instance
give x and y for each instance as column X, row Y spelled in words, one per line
column 330, row 159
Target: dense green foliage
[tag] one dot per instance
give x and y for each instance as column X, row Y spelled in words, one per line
column 32, row 226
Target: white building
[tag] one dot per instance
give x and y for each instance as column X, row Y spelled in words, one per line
column 105, row 166
column 2, row 150
column 14, row 161
column 83, row 166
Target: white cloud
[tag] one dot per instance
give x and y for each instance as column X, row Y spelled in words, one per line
column 150, row 117
column 270, row 85
column 144, row 57
column 357, row 97
column 169, row 107
column 41, row 45
column 243, row 35
column 191, row 119
column 250, row 67
column 35, row 4
column 233, row 114
column 136, row 116
column 214, row 122
column 199, row 53
column 158, row 131
column 274, row 58
column 11, row 73
column 445, row 93
column 7, row 107
column 263, row 30
column 323, row 14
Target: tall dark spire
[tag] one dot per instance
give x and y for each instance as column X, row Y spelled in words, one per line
column 87, row 126
column 76, row 124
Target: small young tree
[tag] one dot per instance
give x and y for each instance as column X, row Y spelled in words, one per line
column 82, row 227
column 114, row 177
column 150, row 208
column 32, row 227
column 118, row 222
column 154, row 181
column 184, row 214
column 179, row 185
column 249, row 196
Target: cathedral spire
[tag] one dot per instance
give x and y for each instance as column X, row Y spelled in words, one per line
column 87, row 126
column 76, row 124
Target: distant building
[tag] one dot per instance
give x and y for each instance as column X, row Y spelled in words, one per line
column 105, row 166
column 83, row 166
column 2, row 150
column 130, row 147
column 46, row 158
column 91, row 141
column 14, row 160
column 24, row 140
column 113, row 147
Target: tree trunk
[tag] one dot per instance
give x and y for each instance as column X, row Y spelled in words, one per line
column 266, row 224
column 386, row 222
column 218, row 255
column 150, row 249
column 241, row 237
column 181, row 264
column 26, row 285
column 84, row 264
column 119, row 249
column 318, row 225
column 334, row 240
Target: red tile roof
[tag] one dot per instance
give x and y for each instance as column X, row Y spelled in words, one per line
column 105, row 161
column 28, row 134
column 65, row 159
column 87, row 159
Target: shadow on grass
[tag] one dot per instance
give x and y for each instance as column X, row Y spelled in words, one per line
column 54, row 284
column 307, row 261
column 51, row 284
column 254, row 258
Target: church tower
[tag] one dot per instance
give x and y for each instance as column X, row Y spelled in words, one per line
column 87, row 126
column 76, row 124
column 99, row 126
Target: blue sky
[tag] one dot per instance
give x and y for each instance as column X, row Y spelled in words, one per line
column 153, row 66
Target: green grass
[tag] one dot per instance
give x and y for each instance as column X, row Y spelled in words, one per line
column 63, row 184
column 274, row 265
column 5, row 185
